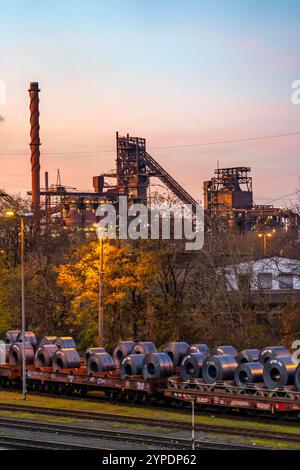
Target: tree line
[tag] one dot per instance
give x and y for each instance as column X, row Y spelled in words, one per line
column 154, row 290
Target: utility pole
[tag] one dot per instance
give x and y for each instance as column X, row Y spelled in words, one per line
column 101, row 294
column 23, row 327
column 193, row 425
column 21, row 216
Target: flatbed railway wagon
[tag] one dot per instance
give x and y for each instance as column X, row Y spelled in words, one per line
column 67, row 381
column 255, row 398
column 225, row 396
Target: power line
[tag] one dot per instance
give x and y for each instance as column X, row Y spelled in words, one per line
column 201, row 144
column 282, row 197
column 246, row 139
column 290, row 175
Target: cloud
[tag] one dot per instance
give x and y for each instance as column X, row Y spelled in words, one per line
column 1, row 118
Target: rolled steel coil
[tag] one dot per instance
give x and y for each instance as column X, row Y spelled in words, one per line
column 176, row 351
column 99, row 362
column 218, row 368
column 4, row 352
column 191, row 366
column 47, row 340
column 157, row 365
column 91, row 351
column 15, row 354
column 44, row 355
column 297, row 378
column 29, row 338
column 227, row 349
column 247, row 355
column 65, row 342
column 67, row 358
column 273, row 351
column 279, row 372
column 123, row 349
column 248, row 373
column 132, row 365
column 198, row 348
column 11, row 336
column 144, row 347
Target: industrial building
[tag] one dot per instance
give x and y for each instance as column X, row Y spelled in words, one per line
column 228, row 200
column 131, row 177
column 228, row 195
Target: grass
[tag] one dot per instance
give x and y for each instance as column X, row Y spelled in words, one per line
column 279, row 445
column 47, row 418
column 116, row 409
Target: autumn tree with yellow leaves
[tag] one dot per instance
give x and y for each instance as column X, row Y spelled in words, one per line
column 125, row 290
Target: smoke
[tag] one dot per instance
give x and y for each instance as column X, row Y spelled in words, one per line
column 1, row 118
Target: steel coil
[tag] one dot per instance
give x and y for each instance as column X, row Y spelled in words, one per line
column 273, row 351
column 157, row 365
column 44, row 355
column 227, row 349
column 247, row 355
column 218, row 368
column 65, row 342
column 67, row 358
column 198, row 348
column 248, row 373
column 176, row 351
column 279, row 372
column 29, row 338
column 11, row 336
column 47, row 340
column 132, row 365
column 191, row 366
column 297, row 378
column 4, row 352
column 99, row 362
column 91, row 351
column 144, row 347
column 123, row 349
column 15, row 354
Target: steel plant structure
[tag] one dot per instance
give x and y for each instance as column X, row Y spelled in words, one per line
column 228, row 195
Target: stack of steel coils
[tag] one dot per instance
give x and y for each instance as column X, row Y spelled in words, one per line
column 44, row 355
column 122, row 350
column 65, row 358
column 176, row 352
column 156, row 365
column 99, row 361
column 218, row 368
column 132, row 365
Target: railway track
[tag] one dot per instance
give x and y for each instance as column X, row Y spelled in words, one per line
column 159, row 441
column 20, row 443
column 151, row 422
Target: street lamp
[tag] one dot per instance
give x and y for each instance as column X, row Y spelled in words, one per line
column 11, row 213
column 265, row 236
column 100, row 234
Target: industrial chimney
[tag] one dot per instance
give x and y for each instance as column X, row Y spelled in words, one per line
column 35, row 149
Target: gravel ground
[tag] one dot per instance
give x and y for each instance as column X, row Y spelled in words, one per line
column 115, row 426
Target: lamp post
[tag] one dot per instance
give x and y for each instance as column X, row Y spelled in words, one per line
column 265, row 236
column 11, row 213
column 100, row 234
column 193, row 425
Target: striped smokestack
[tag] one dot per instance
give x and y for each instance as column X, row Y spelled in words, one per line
column 35, row 149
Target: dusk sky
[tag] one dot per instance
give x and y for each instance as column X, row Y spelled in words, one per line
column 175, row 72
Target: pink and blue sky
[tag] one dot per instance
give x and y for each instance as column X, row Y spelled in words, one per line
column 175, row 72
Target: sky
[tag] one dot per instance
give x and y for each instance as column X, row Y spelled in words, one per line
column 179, row 73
